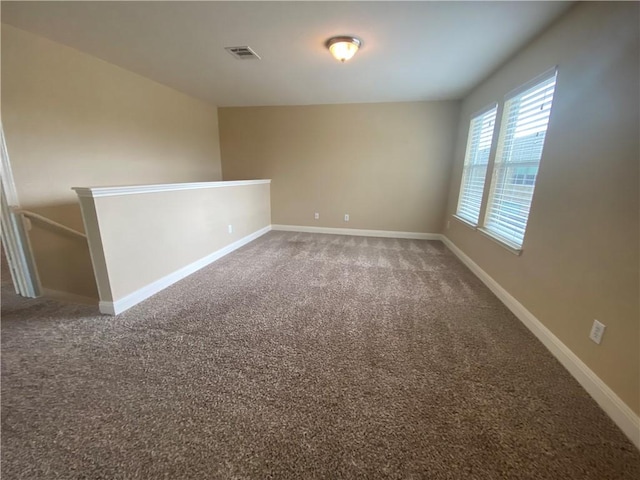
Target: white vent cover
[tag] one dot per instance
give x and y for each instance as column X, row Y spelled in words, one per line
column 243, row 53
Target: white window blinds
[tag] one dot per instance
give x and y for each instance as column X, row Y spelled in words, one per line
column 475, row 165
column 522, row 135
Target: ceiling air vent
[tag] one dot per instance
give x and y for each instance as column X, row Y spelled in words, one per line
column 242, row 53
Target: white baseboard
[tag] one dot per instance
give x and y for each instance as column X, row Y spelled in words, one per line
column 619, row 411
column 357, row 232
column 122, row 304
column 69, row 297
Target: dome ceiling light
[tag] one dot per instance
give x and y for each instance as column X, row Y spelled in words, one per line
column 343, row 47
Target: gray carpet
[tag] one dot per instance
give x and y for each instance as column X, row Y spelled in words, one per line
column 299, row 356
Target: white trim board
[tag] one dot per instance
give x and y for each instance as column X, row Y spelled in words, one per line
column 122, row 304
column 357, row 233
column 16, row 243
column 95, row 192
column 613, row 405
column 8, row 183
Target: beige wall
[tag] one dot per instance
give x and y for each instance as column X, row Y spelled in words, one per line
column 74, row 120
column 387, row 165
column 134, row 245
column 580, row 257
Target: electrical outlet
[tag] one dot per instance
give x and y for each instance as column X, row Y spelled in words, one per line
column 597, row 331
column 346, row 217
column 316, row 216
column 230, row 228
column 448, row 224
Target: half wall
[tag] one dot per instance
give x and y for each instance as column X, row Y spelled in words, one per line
column 144, row 238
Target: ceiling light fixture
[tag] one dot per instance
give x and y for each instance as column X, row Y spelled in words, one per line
column 343, row 48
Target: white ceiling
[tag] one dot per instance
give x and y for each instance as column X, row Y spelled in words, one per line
column 412, row 50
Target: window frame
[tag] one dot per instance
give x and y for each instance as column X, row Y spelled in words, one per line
column 500, row 163
column 499, row 134
column 470, row 156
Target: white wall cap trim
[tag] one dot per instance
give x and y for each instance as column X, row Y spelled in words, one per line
column 357, row 233
column 618, row 411
column 96, row 192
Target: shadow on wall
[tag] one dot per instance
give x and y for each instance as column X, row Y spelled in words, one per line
column 62, row 259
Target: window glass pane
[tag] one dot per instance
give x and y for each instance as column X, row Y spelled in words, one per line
column 475, row 165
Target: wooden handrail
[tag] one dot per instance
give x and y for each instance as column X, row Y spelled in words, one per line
column 27, row 213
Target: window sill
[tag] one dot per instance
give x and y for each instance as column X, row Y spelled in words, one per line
column 467, row 223
column 504, row 244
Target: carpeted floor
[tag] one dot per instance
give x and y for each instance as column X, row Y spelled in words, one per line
column 299, row 356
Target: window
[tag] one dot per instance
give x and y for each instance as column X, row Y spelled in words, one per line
column 475, row 165
column 520, row 143
column 524, row 176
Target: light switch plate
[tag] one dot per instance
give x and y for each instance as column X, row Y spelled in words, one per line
column 597, row 331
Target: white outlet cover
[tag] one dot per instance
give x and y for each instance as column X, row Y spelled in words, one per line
column 316, row 216
column 230, row 228
column 597, row 331
column 346, row 217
